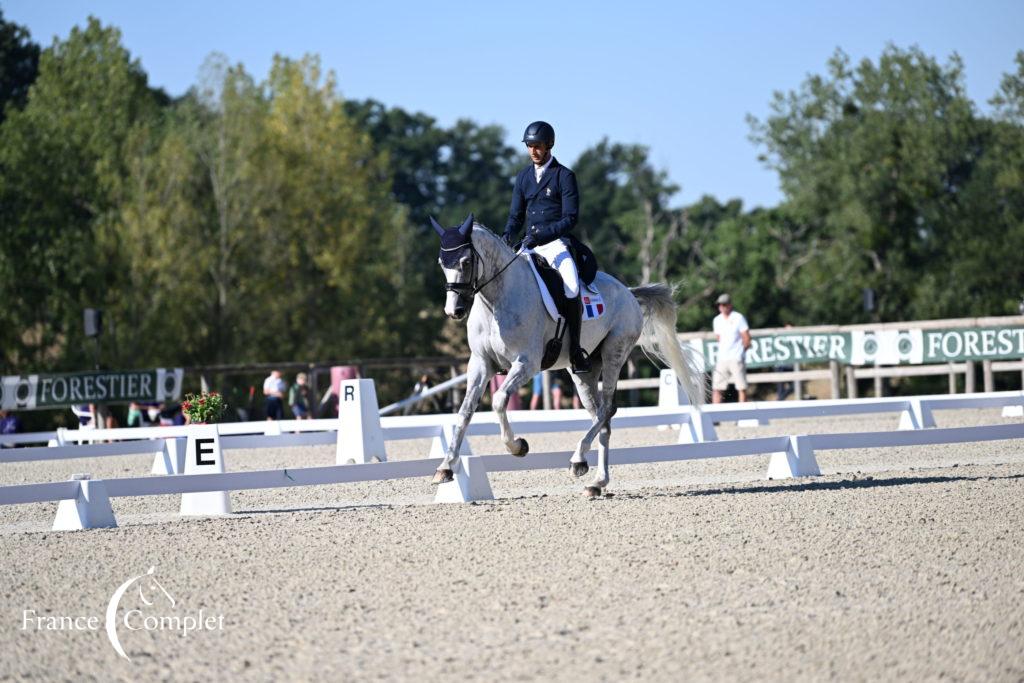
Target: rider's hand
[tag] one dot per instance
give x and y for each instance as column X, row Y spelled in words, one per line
column 510, row 238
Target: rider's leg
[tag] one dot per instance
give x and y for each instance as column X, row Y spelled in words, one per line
column 557, row 254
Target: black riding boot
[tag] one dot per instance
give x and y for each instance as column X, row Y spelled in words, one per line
column 577, row 356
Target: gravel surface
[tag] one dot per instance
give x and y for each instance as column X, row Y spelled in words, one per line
column 896, row 563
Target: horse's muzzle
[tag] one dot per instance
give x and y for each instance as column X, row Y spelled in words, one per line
column 458, row 314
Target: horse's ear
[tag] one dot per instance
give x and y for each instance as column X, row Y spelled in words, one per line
column 437, row 227
column 466, row 226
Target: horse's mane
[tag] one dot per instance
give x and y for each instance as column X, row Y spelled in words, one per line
column 482, row 231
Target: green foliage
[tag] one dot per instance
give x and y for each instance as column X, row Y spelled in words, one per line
column 885, row 166
column 62, row 157
column 273, row 220
column 19, row 63
column 204, row 408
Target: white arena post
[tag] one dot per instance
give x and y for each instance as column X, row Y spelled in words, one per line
column 1013, row 411
column 916, row 415
column 90, row 509
column 796, row 461
column 360, row 438
column 58, row 440
column 670, row 393
column 172, row 459
column 203, row 455
column 445, row 435
column 470, row 483
column 699, row 428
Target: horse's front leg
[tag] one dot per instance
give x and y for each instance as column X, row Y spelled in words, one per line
column 521, row 370
column 478, row 373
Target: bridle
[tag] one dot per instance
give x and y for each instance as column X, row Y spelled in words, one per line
column 471, row 289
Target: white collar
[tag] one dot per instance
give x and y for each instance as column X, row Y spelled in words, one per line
column 539, row 170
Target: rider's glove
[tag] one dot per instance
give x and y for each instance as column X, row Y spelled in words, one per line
column 530, row 241
column 509, row 238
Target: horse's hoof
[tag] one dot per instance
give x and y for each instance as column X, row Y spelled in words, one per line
column 442, row 477
column 519, row 448
column 592, row 492
column 578, row 469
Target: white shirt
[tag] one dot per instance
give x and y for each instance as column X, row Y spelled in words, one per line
column 271, row 384
column 538, row 171
column 729, row 331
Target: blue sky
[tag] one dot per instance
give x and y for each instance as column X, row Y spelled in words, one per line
column 679, row 77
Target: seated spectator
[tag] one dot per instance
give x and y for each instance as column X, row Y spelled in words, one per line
column 9, row 423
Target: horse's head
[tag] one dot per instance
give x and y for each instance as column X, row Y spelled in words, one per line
column 460, row 262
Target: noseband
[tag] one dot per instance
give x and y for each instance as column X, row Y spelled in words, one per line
column 471, row 289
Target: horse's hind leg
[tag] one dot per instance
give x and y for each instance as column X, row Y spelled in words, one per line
column 615, row 353
column 517, row 374
column 586, row 389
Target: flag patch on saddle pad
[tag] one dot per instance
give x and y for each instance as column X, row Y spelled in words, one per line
column 593, row 306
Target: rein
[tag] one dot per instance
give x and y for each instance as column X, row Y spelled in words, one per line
column 463, row 287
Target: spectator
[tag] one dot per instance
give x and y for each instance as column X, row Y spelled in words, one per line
column 300, row 398
column 562, row 386
column 135, row 415
column 9, row 423
column 170, row 415
column 273, row 388
column 538, row 391
column 83, row 413
column 733, row 335
column 427, row 405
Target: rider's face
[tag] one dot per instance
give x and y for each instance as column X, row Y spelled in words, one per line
column 539, row 152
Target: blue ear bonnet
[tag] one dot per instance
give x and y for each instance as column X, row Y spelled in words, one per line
column 455, row 242
column 454, row 246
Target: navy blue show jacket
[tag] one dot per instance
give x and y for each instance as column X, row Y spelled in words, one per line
column 549, row 208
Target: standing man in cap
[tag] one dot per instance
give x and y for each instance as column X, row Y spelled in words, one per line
column 733, row 341
column 545, row 198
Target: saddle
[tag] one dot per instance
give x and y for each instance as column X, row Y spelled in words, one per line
column 586, row 267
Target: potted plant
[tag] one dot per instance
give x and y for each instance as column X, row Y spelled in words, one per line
column 203, row 408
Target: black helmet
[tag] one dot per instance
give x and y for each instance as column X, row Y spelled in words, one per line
column 540, row 131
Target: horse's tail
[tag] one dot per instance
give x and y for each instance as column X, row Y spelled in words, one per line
column 659, row 338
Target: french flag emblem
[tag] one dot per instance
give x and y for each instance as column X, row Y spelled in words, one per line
column 593, row 306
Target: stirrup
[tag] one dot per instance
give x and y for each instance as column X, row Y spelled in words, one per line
column 580, row 361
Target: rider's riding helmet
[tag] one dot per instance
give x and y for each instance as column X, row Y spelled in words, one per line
column 540, row 131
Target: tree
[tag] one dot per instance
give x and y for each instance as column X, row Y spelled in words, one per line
column 873, row 161
column 19, row 64
column 62, row 158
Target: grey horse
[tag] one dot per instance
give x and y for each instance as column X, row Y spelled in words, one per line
column 509, row 327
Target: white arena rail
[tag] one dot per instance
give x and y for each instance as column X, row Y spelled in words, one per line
column 85, row 503
column 367, row 431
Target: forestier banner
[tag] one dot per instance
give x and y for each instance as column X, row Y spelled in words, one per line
column 35, row 392
column 879, row 347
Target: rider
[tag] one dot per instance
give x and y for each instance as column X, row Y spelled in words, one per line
column 546, row 197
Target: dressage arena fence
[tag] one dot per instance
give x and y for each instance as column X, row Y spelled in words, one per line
column 193, row 455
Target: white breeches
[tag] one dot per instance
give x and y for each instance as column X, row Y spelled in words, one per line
column 557, row 256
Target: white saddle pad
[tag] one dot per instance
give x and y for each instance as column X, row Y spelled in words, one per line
column 593, row 304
